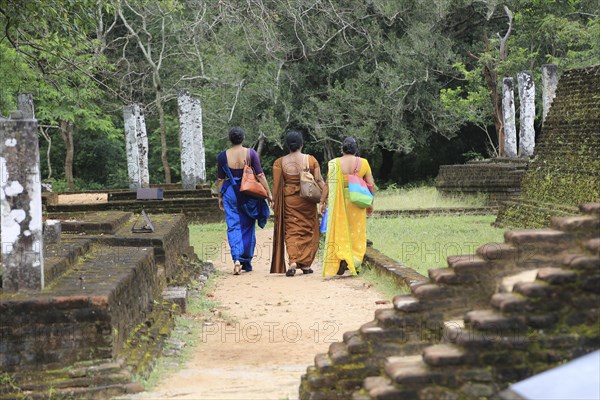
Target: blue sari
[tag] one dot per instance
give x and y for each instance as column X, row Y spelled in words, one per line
column 241, row 214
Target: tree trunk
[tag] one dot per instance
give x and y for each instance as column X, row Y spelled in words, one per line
column 261, row 144
column 327, row 151
column 66, row 132
column 163, row 135
column 387, row 162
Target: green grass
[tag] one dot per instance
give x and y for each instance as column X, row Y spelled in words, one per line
column 382, row 284
column 207, row 239
column 423, row 243
column 422, row 197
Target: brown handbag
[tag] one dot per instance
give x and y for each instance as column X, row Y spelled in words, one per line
column 250, row 185
column 309, row 189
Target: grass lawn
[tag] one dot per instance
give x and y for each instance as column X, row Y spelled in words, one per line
column 423, row 243
column 422, row 197
column 207, row 239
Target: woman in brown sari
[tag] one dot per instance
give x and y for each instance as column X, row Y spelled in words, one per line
column 296, row 222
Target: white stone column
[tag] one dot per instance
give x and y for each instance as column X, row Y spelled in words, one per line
column 142, row 144
column 549, row 84
column 21, row 205
column 508, row 115
column 527, row 114
column 136, row 142
column 193, row 163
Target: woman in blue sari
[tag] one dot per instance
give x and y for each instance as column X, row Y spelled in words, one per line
column 241, row 211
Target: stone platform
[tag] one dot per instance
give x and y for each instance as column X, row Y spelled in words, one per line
column 102, row 283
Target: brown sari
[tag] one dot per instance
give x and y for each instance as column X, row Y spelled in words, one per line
column 296, row 222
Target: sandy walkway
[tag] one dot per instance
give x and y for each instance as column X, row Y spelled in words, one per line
column 276, row 326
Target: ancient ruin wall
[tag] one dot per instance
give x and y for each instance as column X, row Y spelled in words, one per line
column 565, row 170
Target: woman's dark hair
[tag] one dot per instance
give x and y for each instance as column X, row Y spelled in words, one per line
column 293, row 140
column 350, row 146
column 236, row 135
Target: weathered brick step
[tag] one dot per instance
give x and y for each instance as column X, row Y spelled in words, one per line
column 406, row 303
column 497, row 251
column 167, row 194
column 390, row 317
column 490, row 320
column 585, row 224
column 593, row 245
column 409, row 370
column 429, row 291
column 380, row 388
column 546, row 238
column 323, row 363
column 355, row 342
column 508, row 282
column 468, row 263
column 581, row 262
column 590, row 208
column 509, row 302
column 122, row 377
column 444, row 354
column 91, row 393
column 62, row 256
column 449, row 277
column 556, row 276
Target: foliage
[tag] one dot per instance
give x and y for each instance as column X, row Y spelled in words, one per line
column 404, row 78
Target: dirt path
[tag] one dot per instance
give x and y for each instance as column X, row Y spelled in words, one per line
column 277, row 325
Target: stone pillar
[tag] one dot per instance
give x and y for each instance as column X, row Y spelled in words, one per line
column 136, row 141
column 25, row 105
column 21, row 203
column 527, row 114
column 193, row 168
column 508, row 115
column 549, row 84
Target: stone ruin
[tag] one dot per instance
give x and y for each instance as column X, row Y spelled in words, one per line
column 85, row 302
column 500, row 177
column 489, row 319
column 565, row 169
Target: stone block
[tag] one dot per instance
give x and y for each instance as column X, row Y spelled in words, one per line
column 488, row 320
column 323, row 363
column 556, row 276
column 508, row 302
column 582, row 262
column 590, row 208
column 409, row 370
column 497, row 251
column 338, row 353
column 535, row 289
column 545, row 237
column 177, row 295
column 52, row 231
column 593, row 245
column 576, row 224
column 406, row 303
column 430, row 291
column 443, row 354
column 466, row 264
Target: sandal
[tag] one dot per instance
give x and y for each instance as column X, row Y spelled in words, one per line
column 236, row 268
column 290, row 272
column 307, row 270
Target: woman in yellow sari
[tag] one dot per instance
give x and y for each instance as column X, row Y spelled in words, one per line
column 346, row 236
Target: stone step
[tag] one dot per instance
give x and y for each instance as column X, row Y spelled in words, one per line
column 429, row 291
column 444, row 354
column 338, row 353
column 534, row 290
column 449, row 277
column 497, row 251
column 509, row 302
column 469, row 263
column 546, row 238
column 508, row 282
column 593, row 245
column 355, row 343
column 380, row 388
column 409, row 370
column 581, row 262
column 406, row 303
column 323, row 363
column 581, row 224
column 556, row 276
column 390, row 317
column 490, row 320
column 590, row 208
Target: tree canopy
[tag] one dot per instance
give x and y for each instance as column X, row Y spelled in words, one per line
column 412, row 80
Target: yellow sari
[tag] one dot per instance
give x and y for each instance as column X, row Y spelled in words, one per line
column 346, row 236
